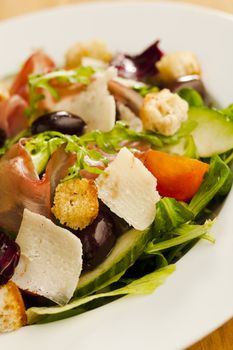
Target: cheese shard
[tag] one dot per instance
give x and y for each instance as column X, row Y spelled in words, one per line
column 51, row 259
column 95, row 105
column 129, row 190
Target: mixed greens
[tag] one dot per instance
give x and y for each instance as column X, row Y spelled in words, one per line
column 62, row 169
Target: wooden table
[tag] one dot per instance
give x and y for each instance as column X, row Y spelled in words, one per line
column 221, row 339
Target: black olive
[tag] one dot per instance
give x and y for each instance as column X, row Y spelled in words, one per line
column 2, row 137
column 62, row 121
column 98, row 240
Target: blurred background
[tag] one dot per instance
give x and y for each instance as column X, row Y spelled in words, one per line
column 9, row 8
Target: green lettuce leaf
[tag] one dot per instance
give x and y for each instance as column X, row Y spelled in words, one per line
column 80, row 75
column 184, row 233
column 145, row 285
column 191, row 96
column 42, row 146
column 218, row 181
column 170, row 214
column 145, row 90
column 228, row 112
column 12, row 140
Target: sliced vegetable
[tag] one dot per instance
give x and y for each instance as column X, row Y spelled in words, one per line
column 178, row 177
column 213, row 133
column 144, row 285
column 127, row 249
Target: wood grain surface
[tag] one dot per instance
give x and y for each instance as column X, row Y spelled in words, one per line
column 221, row 339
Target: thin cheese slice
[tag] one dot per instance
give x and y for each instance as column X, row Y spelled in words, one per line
column 129, row 190
column 95, row 105
column 51, row 259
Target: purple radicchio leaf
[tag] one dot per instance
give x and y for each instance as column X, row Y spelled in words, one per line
column 138, row 67
column 9, row 258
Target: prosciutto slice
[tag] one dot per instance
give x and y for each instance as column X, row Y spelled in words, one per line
column 37, row 63
column 22, row 188
column 12, row 116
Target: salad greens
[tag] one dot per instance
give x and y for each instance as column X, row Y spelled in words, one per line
column 184, row 233
column 138, row 261
column 144, row 285
column 80, row 75
column 218, row 181
column 193, row 97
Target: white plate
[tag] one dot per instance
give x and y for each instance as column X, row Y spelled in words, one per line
column 197, row 298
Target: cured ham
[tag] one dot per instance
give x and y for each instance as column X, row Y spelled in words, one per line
column 12, row 115
column 22, row 188
column 37, row 63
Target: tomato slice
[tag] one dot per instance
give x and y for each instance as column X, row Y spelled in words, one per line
column 177, row 177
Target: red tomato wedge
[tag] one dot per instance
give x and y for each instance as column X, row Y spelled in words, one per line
column 178, row 177
column 37, row 63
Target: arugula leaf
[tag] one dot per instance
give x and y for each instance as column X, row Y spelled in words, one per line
column 184, row 131
column 80, row 75
column 228, row 112
column 144, row 90
column 217, row 181
column 11, row 141
column 42, row 146
column 144, row 285
column 112, row 141
column 170, row 214
column 191, row 96
column 184, row 233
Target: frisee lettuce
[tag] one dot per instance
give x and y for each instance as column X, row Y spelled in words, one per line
column 144, row 285
column 80, row 75
column 42, row 146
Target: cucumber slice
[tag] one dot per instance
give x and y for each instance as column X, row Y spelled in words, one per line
column 213, row 134
column 127, row 249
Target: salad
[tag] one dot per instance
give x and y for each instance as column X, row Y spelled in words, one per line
column 112, row 168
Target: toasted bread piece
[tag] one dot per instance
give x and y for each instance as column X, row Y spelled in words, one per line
column 12, row 309
column 76, row 203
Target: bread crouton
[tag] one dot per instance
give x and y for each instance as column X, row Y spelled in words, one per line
column 94, row 49
column 12, row 309
column 76, row 203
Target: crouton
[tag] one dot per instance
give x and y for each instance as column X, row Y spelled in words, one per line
column 175, row 65
column 94, row 49
column 12, row 309
column 163, row 112
column 76, row 203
